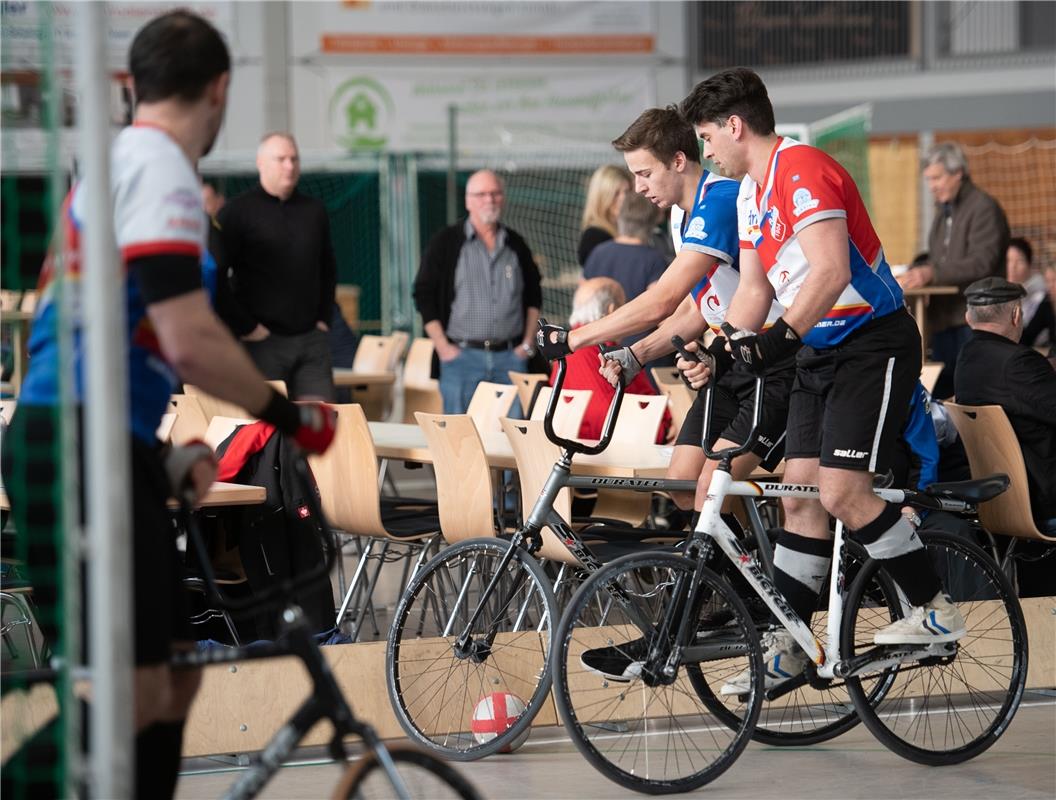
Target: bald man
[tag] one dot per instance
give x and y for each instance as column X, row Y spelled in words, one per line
column 478, row 291
column 283, row 273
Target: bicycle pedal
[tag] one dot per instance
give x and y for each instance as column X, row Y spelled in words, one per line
column 785, row 687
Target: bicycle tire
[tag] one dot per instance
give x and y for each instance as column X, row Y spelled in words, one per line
column 434, row 691
column 807, row 716
column 995, row 647
column 595, row 713
column 357, row 781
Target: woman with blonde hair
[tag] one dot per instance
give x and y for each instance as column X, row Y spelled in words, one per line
column 605, row 194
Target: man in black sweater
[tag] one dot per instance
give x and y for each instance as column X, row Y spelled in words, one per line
column 283, row 273
column 479, row 293
column 995, row 369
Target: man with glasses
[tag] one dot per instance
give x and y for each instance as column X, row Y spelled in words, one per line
column 478, row 291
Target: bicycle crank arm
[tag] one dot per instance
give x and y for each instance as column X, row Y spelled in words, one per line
column 892, row 655
column 713, row 650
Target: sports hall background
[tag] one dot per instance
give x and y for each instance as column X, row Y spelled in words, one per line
column 385, row 97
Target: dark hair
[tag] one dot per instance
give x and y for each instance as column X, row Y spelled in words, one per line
column 737, row 91
column 175, row 56
column 662, row 132
column 1023, row 246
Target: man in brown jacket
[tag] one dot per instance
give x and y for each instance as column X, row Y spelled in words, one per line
column 967, row 242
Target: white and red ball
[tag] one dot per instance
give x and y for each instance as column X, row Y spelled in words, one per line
column 494, row 714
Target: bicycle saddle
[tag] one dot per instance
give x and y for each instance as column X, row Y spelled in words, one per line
column 978, row 490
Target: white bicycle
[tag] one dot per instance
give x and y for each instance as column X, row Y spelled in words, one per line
column 670, row 729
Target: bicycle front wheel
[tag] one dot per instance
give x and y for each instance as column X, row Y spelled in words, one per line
column 648, row 731
column 423, row 775
column 945, row 710
column 469, row 701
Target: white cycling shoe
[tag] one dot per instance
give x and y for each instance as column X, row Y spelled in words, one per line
column 937, row 622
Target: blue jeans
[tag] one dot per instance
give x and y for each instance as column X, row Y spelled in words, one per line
column 460, row 376
column 945, row 347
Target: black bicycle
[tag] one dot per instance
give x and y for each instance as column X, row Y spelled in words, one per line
column 382, row 771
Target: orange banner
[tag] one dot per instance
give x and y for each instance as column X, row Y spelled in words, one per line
column 486, row 45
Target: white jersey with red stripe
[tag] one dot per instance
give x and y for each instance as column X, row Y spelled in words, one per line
column 157, row 210
column 711, row 229
column 804, row 185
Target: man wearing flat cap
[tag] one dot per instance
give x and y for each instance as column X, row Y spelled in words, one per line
column 995, row 369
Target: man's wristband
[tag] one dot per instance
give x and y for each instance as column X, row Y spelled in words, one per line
column 281, row 413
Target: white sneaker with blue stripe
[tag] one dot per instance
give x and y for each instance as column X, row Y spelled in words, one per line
column 783, row 660
column 935, row 623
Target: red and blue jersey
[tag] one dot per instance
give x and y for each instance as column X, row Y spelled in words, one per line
column 711, row 228
column 157, row 210
column 803, row 185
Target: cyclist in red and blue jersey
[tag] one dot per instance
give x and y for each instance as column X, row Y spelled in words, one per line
column 180, row 69
column 806, row 240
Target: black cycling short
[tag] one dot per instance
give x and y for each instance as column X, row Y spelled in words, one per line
column 732, row 408
column 850, row 402
column 160, row 606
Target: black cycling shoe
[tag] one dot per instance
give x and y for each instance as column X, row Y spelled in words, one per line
column 620, row 662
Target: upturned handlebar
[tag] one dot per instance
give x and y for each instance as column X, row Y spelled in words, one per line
column 572, row 444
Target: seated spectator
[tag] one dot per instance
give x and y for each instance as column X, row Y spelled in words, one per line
column 995, row 369
column 608, row 186
column 630, row 258
column 594, row 299
column 1039, row 322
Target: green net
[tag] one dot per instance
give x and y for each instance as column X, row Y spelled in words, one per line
column 845, row 137
column 41, row 564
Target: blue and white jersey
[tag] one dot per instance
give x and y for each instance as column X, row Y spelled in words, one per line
column 711, row 228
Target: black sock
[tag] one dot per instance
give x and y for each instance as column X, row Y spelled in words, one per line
column 891, row 539
column 801, row 565
column 158, row 760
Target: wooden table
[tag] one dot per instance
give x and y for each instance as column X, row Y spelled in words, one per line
column 921, row 296
column 220, row 494
column 349, row 377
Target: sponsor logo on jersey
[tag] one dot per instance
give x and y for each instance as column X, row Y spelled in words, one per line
column 802, row 201
column 712, row 301
column 841, row 453
column 783, row 276
column 695, row 230
column 777, row 227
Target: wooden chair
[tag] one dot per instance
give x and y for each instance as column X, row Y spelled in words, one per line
column 401, row 340
column 568, row 416
column 347, row 477
column 190, row 423
column 7, row 410
column 528, row 385
column 214, row 407
column 220, row 428
column 680, row 397
column 465, row 493
column 375, row 354
column 28, row 303
column 489, row 403
column 9, row 300
column 929, row 374
column 164, row 431
column 992, row 447
column 421, row 391
column 640, row 418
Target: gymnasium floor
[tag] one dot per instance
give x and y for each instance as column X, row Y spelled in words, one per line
column 1021, row 765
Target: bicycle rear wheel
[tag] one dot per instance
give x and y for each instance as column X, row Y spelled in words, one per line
column 945, row 710
column 651, row 734
column 435, row 689
column 423, row 774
